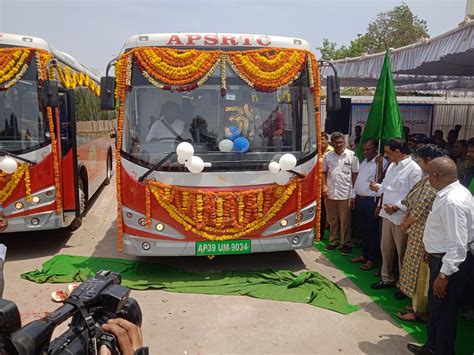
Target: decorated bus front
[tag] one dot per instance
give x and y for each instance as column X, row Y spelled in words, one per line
column 218, row 150
column 38, row 183
column 28, row 190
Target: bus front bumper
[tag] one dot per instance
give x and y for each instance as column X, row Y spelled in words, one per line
column 153, row 247
column 34, row 222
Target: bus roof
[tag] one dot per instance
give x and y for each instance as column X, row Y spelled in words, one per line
column 15, row 40
column 213, row 40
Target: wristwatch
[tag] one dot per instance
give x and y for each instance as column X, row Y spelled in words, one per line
column 442, row 276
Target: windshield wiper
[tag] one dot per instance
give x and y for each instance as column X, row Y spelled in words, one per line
column 4, row 152
column 156, row 166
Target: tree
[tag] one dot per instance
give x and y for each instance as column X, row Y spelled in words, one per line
column 392, row 29
column 330, row 52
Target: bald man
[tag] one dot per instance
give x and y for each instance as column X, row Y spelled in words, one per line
column 448, row 240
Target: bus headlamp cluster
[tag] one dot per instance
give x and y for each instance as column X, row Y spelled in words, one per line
column 34, row 200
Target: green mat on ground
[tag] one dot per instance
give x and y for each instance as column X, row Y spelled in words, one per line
column 384, row 298
column 307, row 287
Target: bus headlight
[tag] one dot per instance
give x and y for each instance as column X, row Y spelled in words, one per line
column 35, row 221
column 283, row 223
column 142, row 222
column 146, row 246
column 35, row 199
column 18, row 205
column 159, row 227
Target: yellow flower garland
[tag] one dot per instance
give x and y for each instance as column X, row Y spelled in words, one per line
column 21, row 172
column 14, row 63
column 165, row 196
column 71, row 80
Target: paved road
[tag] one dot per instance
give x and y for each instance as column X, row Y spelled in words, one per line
column 204, row 324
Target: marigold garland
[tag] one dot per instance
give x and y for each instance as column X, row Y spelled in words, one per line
column 54, row 152
column 22, row 172
column 222, row 221
column 148, row 206
column 314, row 85
column 71, row 79
column 14, row 62
column 176, row 67
column 266, row 71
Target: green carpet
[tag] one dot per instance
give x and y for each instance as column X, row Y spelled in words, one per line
column 306, row 287
column 384, row 298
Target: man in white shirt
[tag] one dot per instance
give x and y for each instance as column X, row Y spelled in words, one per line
column 448, row 240
column 364, row 200
column 169, row 125
column 401, row 175
column 340, row 168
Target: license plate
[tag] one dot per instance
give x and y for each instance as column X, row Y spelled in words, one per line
column 223, row 247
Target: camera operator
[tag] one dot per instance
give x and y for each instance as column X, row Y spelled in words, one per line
column 129, row 337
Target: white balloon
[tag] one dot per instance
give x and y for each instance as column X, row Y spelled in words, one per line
column 195, row 165
column 8, row 165
column 287, row 161
column 185, row 150
column 226, row 145
column 274, row 167
column 182, row 160
column 282, row 178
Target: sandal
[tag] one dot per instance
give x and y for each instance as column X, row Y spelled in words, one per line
column 359, row 259
column 369, row 265
column 411, row 317
column 409, row 308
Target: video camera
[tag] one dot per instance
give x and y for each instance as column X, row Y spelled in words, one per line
column 90, row 305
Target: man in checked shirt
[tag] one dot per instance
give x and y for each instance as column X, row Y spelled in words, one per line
column 448, row 240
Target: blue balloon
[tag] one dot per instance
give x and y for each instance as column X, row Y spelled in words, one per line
column 241, row 145
column 231, row 133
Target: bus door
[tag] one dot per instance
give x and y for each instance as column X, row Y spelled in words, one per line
column 69, row 165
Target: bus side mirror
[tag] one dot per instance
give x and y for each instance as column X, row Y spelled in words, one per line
column 50, row 93
column 107, row 93
column 333, row 101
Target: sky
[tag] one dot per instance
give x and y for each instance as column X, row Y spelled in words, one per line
column 94, row 31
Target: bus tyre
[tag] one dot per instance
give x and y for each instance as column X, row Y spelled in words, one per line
column 77, row 222
column 108, row 176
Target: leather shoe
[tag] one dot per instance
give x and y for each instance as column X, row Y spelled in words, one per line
column 418, row 349
column 399, row 295
column 380, row 285
column 331, row 247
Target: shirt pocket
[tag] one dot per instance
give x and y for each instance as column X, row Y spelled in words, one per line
column 346, row 168
column 398, row 185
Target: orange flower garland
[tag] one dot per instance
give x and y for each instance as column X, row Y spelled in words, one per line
column 265, row 70
column 214, row 216
column 123, row 79
column 42, row 59
column 176, row 67
column 54, row 152
column 314, row 85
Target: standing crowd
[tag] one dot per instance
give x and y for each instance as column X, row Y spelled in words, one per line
column 413, row 210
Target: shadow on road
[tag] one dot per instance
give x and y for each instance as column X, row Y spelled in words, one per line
column 385, row 345
column 31, row 245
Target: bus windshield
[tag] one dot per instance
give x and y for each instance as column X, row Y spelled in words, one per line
column 22, row 125
column 157, row 120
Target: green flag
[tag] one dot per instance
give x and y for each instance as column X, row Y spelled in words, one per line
column 384, row 121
